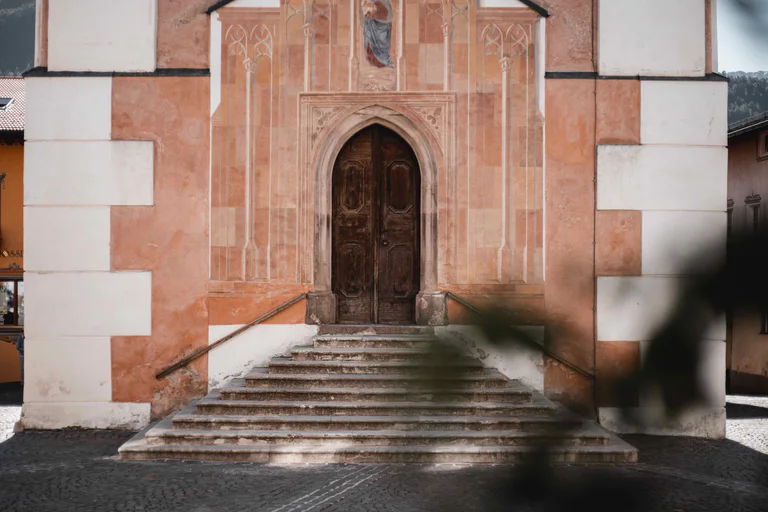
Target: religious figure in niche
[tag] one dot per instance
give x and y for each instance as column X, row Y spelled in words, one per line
column 377, row 68
column 377, row 32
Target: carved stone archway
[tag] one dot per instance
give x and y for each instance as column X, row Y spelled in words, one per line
column 426, row 122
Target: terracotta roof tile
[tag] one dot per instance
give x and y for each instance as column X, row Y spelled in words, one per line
column 13, row 118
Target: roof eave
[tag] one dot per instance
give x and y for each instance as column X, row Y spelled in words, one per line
column 529, row 3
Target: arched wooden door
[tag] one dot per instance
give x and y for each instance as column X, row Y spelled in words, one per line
column 376, row 192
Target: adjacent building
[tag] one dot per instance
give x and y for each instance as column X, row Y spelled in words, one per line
column 747, row 354
column 12, row 100
column 190, row 166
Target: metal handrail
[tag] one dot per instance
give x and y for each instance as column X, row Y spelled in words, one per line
column 543, row 348
column 204, row 350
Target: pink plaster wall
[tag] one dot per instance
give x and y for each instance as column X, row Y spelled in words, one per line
column 170, row 238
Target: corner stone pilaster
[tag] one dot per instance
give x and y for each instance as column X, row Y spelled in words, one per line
column 321, row 308
column 432, row 308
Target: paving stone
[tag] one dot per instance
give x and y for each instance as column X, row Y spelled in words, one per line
column 78, row 471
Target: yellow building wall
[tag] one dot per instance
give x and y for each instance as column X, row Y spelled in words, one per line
column 12, row 232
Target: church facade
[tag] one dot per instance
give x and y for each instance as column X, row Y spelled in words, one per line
column 191, row 166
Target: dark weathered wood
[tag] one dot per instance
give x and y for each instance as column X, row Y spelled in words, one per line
column 376, row 215
column 398, row 245
column 204, row 350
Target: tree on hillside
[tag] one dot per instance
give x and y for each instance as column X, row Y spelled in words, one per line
column 747, row 95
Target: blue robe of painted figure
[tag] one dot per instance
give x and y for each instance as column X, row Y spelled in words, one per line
column 377, row 34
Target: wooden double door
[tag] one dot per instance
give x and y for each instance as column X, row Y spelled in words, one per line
column 376, row 195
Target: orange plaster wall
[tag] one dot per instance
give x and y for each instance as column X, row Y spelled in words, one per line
column 169, row 238
column 618, row 251
column 240, row 303
column 617, row 360
column 183, row 33
column 12, row 232
column 42, row 37
column 569, row 35
column 618, row 112
column 12, row 204
column 570, row 203
column 568, row 387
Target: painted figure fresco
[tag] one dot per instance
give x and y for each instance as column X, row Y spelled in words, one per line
column 377, row 68
column 377, row 32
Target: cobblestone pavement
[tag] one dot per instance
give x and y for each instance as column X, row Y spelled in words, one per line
column 78, row 471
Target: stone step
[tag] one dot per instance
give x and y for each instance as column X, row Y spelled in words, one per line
column 379, row 329
column 409, row 408
column 373, row 341
column 502, row 395
column 366, row 354
column 340, row 438
column 190, row 420
column 260, row 378
column 285, row 365
column 612, row 453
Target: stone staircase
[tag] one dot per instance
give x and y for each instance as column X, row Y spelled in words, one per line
column 371, row 394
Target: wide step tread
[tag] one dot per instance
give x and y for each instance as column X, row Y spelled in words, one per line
column 506, row 395
column 379, row 454
column 260, row 377
column 375, row 438
column 375, row 394
column 401, row 423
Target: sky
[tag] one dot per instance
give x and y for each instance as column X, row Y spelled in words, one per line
column 742, row 39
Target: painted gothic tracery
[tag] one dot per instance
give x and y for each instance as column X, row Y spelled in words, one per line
column 490, row 190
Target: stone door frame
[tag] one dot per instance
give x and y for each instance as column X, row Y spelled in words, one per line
column 426, row 121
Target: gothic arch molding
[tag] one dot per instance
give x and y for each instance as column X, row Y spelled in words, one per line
column 402, row 118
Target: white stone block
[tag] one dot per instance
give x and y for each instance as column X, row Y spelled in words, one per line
column 67, row 369
column 66, row 238
column 651, row 37
column 705, row 419
column 102, row 415
column 103, row 173
column 633, row 308
column 678, row 243
column 514, row 360
column 254, row 347
column 684, row 113
column 68, row 108
column 88, row 304
column 102, row 35
column 662, row 178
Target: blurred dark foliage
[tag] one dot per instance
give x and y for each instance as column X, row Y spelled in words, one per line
column 671, row 367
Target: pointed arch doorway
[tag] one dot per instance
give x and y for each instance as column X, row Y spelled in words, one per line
column 375, row 229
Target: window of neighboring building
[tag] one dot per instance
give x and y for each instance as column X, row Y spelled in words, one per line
column 763, row 320
column 762, row 146
column 5, row 103
column 753, row 214
column 11, row 302
column 730, row 218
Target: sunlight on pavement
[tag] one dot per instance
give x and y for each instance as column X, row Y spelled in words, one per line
column 9, row 415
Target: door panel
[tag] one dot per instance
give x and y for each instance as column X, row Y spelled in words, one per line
column 375, row 229
column 398, row 254
column 353, row 221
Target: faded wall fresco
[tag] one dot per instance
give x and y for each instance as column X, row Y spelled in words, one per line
column 489, row 202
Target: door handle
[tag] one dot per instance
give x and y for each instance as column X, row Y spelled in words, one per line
column 385, row 242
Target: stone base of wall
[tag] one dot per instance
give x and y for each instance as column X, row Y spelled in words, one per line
column 707, row 422
column 100, row 415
